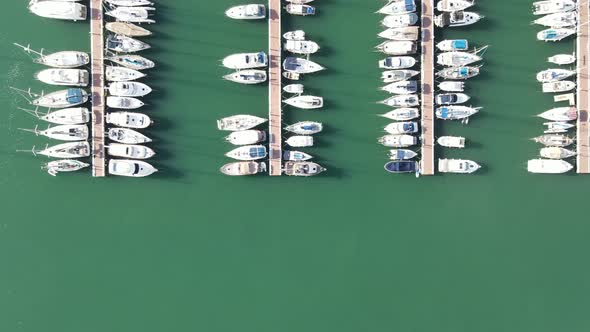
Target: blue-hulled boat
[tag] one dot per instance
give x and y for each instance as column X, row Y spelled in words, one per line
column 403, row 166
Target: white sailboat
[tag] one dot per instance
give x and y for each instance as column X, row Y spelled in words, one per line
column 397, row 47
column 132, row 14
column 397, row 128
column 562, row 114
column 61, row 98
column 451, row 98
column 128, row 119
column 132, row 61
column 248, row 76
column 133, row 151
column 127, row 103
column 242, row 168
column 63, row 165
column 129, row 3
column 398, row 7
column 127, row 29
column 248, row 152
column 246, row 137
column 60, row 10
column 456, row 112
column 401, row 87
column 402, row 33
column 291, row 155
column 121, row 74
column 390, row 76
column 62, row 132
column 554, row 74
column 66, row 116
column 554, row 140
column 555, row 152
column 305, row 128
column 555, row 34
column 548, row 166
column 66, row 150
column 63, row 59
column 245, row 60
column 64, row 77
column 239, row 122
column 127, row 136
column 402, row 101
column 562, row 59
column 305, row 102
column 557, row 127
column 558, row 20
column 453, row 5
column 459, row 58
column 293, row 88
column 402, row 114
column 120, row 43
column 553, row 6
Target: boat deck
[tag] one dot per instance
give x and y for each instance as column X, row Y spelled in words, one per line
column 427, row 87
column 97, row 87
column 582, row 51
column 274, row 88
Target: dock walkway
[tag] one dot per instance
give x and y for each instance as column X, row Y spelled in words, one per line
column 582, row 51
column 274, row 88
column 427, row 87
column 97, row 88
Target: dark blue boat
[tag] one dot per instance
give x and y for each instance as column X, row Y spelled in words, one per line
column 402, row 167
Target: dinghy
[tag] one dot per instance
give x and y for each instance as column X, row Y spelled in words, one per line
column 242, row 168
column 63, row 165
column 400, row 21
column 239, row 122
column 557, row 127
column 558, row 20
column 554, row 140
column 453, row 5
column 301, row 10
column 132, row 61
column 458, row 73
column 127, row 136
column 403, row 33
column 554, row 75
column 119, row 43
column 553, row 6
column 559, row 86
column 548, row 166
column 390, row 76
column 295, row 155
column 131, row 168
column 126, row 103
column 562, row 59
column 63, row 132
column 129, row 89
column 555, row 34
column 460, row 166
column 129, row 3
column 248, row 76
column 554, row 152
column 402, row 101
column 291, row 75
column 246, row 137
column 305, row 128
column 128, row 119
column 301, row 66
column 402, row 114
column 401, row 154
column 66, row 150
column 451, row 45
column 301, row 46
column 300, row 141
column 66, row 116
column 246, row 60
column 395, row 47
column 457, row 142
column 133, row 151
column 401, row 87
column 248, row 152
column 305, row 102
column 397, row 128
column 398, row 141
column 121, row 74
column 402, row 166
column 59, row 76
column 451, row 86
column 302, row 168
column 61, row 10
column 561, row 114
column 455, row 112
column 456, row 19
column 63, row 59
column 132, row 14
column 398, row 7
column 294, row 35
column 127, row 29
column 62, row 98
column 451, row 98
column 247, row 12
column 293, row 88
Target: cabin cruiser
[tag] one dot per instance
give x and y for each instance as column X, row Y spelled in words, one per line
column 119, row 43
column 293, row 88
column 458, row 73
column 248, row 76
column 296, row 155
column 554, row 140
column 390, row 76
column 132, row 61
column 246, row 60
column 451, row 45
column 555, row 34
column 301, row 66
column 64, row 165
column 69, row 132
column 398, row 7
column 131, row 168
column 453, row 5
column 553, row 6
column 129, row 3
column 455, row 112
column 397, row 62
column 401, row 87
column 402, row 101
column 133, row 151
column 456, row 19
column 562, row 59
column 555, row 152
column 553, row 75
column 302, row 168
column 557, row 127
column 305, row 102
column 567, row 113
column 458, row 59
column 129, row 89
column 398, row 141
column 241, row 168
column 127, row 103
column 451, row 98
column 62, row 98
column 248, row 152
column 120, row 74
column 395, row 47
column 305, row 128
column 402, row 166
column 400, row 21
column 300, row 141
column 61, row 10
column 66, row 116
column 402, row 114
column 301, row 46
column 397, row 128
column 559, row 86
column 451, row 86
column 403, row 33
column 128, row 119
column 456, row 142
column 239, row 122
column 294, row 35
column 548, row 166
column 127, row 29
column 401, row 154
column 558, row 20
column 66, row 150
column 58, row 76
column 299, row 9
column 127, row 136
column 247, row 12
column 132, row 14
column 246, row 137
column 461, row 166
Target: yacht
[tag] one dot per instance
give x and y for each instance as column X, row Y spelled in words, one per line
column 61, row 10
column 300, row 141
column 305, row 128
column 402, row 166
column 129, row 89
column 119, row 43
column 305, row 102
column 242, row 168
column 248, row 76
column 247, row 12
column 77, row 132
column 296, row 155
column 397, row 128
column 402, row 114
column 120, row 74
column 301, row 46
column 559, row 86
column 246, row 137
column 58, row 76
column 458, row 73
column 126, row 103
column 557, row 127
column 558, row 20
column 457, row 142
column 456, row 19
column 401, row 154
column 248, row 152
column 132, row 61
column 555, row 152
column 131, row 168
column 397, row 62
column 246, row 60
column 451, row 86
column 395, row 47
column 390, row 76
column 555, row 34
column 455, row 112
column 299, row 9
column 239, row 122
column 451, row 45
column 451, row 98
column 64, row 59
column 129, row 3
column 127, row 29
column 402, row 101
column 66, row 116
column 398, row 141
column 293, row 88
column 400, row 21
column 132, row 14
column 401, row 87
column 562, row 59
column 554, row 140
column 302, row 168
column 294, row 35
column 66, row 150
column 64, row 165
column 566, row 113
column 458, row 59
column 127, row 136
column 553, row 75
column 128, row 119
column 301, row 66
column 453, row 5
column 460, row 166
column 62, row 98
column 133, row 151
column 403, row 33
column 553, row 6
column 548, row 166
column 398, row 7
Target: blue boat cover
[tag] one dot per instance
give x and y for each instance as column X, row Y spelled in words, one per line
column 291, row 63
column 310, row 10
column 74, row 96
column 258, row 152
column 408, row 127
column 463, row 71
column 460, row 44
column 444, row 112
column 401, row 166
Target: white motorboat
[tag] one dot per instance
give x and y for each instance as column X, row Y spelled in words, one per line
column 59, row 76
column 66, row 116
column 60, row 10
column 246, row 137
column 126, row 103
column 458, row 59
column 120, row 74
column 559, row 86
column 456, row 19
column 390, row 76
column 131, row 168
column 400, row 21
column 294, row 35
column 299, row 9
column 396, row 47
column 66, row 150
column 301, row 66
column 129, row 3
column 248, row 76
column 300, row 141
column 300, row 1
column 402, row 33
column 133, row 151
column 557, row 127
column 305, row 102
column 548, row 166
column 127, row 29
column 398, row 141
column 402, row 114
column 127, row 136
column 293, row 88
column 555, row 152
column 460, row 166
column 302, row 168
column 401, row 154
column 290, row 155
column 397, row 128
column 554, row 75
column 398, row 7
column 555, row 34
column 129, row 89
column 63, row 165
column 305, row 128
column 248, row 152
column 560, row 114
column 242, row 168
column 402, row 101
column 451, row 45
column 132, row 61
column 301, row 46
column 397, row 62
column 458, row 73
column 246, row 60
column 119, row 43
column 457, row 142
column 451, row 98
column 558, row 20
column 132, row 14
column 562, row 59
column 62, row 98
column 554, row 140
column 77, row 132
column 128, row 119
column 553, row 6
column 239, row 122
column 452, row 86
column 63, row 59
column 401, row 87
column 456, row 112
column 453, row 5
column 247, row 12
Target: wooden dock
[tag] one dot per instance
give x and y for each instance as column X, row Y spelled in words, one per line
column 97, row 88
column 274, row 88
column 427, row 87
column 582, row 45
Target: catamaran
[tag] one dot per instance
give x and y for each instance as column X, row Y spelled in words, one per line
column 127, row 29
column 248, row 152
column 247, row 12
column 396, row 47
column 248, row 76
column 119, row 43
column 61, row 10
column 132, row 14
column 239, row 122
column 63, row 165
column 242, row 168
column 246, row 60
column 63, row 59
column 127, row 136
column 397, row 128
column 132, row 61
column 456, row 19
column 401, row 87
column 402, row 114
column 130, row 151
column 131, row 168
column 126, row 103
column 59, row 76
column 305, row 102
column 302, row 168
column 63, row 132
column 246, row 137
column 120, row 74
column 305, row 128
column 548, row 166
column 128, row 119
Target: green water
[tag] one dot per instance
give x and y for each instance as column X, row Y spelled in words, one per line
column 354, row 250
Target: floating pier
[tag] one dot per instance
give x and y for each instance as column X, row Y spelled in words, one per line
column 427, row 87
column 97, row 87
column 582, row 45
column 274, row 88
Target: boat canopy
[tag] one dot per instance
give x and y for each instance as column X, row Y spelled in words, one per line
column 460, row 44
column 75, row 96
column 444, row 112
column 292, row 63
column 401, row 166
column 257, row 152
